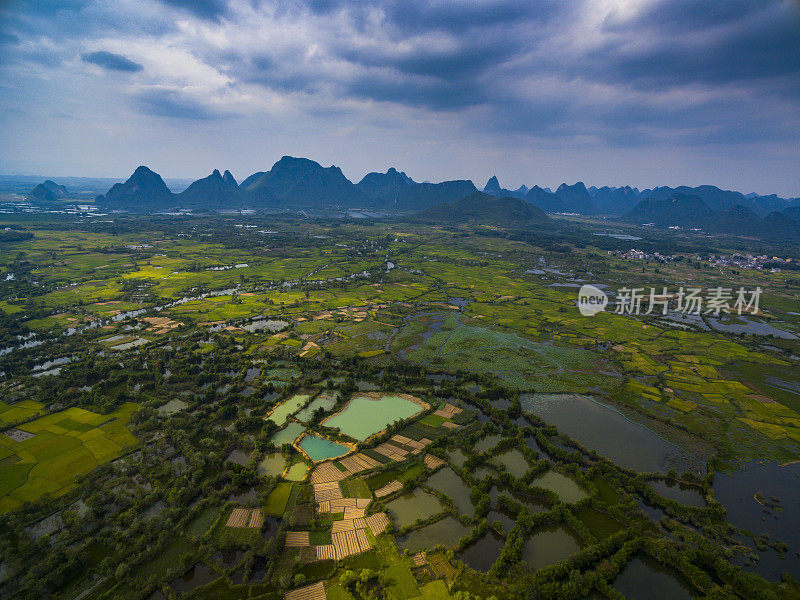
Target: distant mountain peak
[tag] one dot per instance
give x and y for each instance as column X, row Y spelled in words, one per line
column 48, row 191
column 144, row 188
column 303, row 182
column 229, row 178
column 493, row 188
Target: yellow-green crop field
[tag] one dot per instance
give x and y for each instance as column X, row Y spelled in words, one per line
column 19, row 411
column 65, row 444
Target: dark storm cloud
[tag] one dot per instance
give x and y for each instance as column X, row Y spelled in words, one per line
column 599, row 73
column 464, row 59
column 415, row 16
column 112, row 62
column 681, row 43
column 430, row 93
column 172, row 104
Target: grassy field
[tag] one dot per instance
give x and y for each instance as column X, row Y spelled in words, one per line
column 276, row 502
column 19, row 411
column 64, row 446
column 459, row 307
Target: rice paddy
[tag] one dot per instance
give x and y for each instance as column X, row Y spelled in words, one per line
column 64, row 445
column 461, row 330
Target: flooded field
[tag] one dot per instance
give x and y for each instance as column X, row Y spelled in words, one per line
column 514, row 462
column 607, row 431
column 482, row 554
column 550, row 545
column 287, row 408
column 764, row 497
column 172, row 407
column 566, row 488
column 199, row 574
column 685, row 494
column 446, row 531
column 451, row 485
column 322, row 401
column 533, row 505
column 271, row 464
column 239, row 457
column 297, row 472
column 412, row 506
column 457, row 457
column 287, row 435
column 645, row 579
column 487, row 443
column 506, row 522
column 600, row 524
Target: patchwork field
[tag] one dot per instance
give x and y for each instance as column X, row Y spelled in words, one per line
column 64, row 445
column 429, row 372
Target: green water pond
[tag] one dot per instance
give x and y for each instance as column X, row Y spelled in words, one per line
column 409, row 507
column 287, row 435
column 566, row 488
column 287, row 408
column 363, row 417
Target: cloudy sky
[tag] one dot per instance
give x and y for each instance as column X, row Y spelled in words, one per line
column 610, row 92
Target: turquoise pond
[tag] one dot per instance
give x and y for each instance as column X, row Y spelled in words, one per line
column 319, row 448
column 363, row 417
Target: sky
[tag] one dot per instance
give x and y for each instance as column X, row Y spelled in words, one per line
column 609, row 92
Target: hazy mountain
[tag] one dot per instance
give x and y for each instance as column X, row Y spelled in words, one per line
column 493, row 187
column 387, row 187
column 544, row 199
column 691, row 211
column 736, row 219
column 304, row 183
column 143, row 191
column 793, row 212
column 566, row 199
column 48, row 191
column 301, row 182
column 575, row 198
column 214, row 192
column 719, row 199
column 715, row 198
column 770, row 203
column 614, row 200
column 682, row 210
column 394, row 190
column 485, row 209
column 780, row 226
column 423, row 195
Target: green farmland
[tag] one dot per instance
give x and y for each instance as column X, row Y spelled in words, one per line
column 64, row 446
column 547, row 454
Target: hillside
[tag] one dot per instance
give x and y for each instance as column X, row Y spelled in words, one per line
column 215, row 192
column 303, row 183
column 143, row 191
column 689, row 211
column 483, row 209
